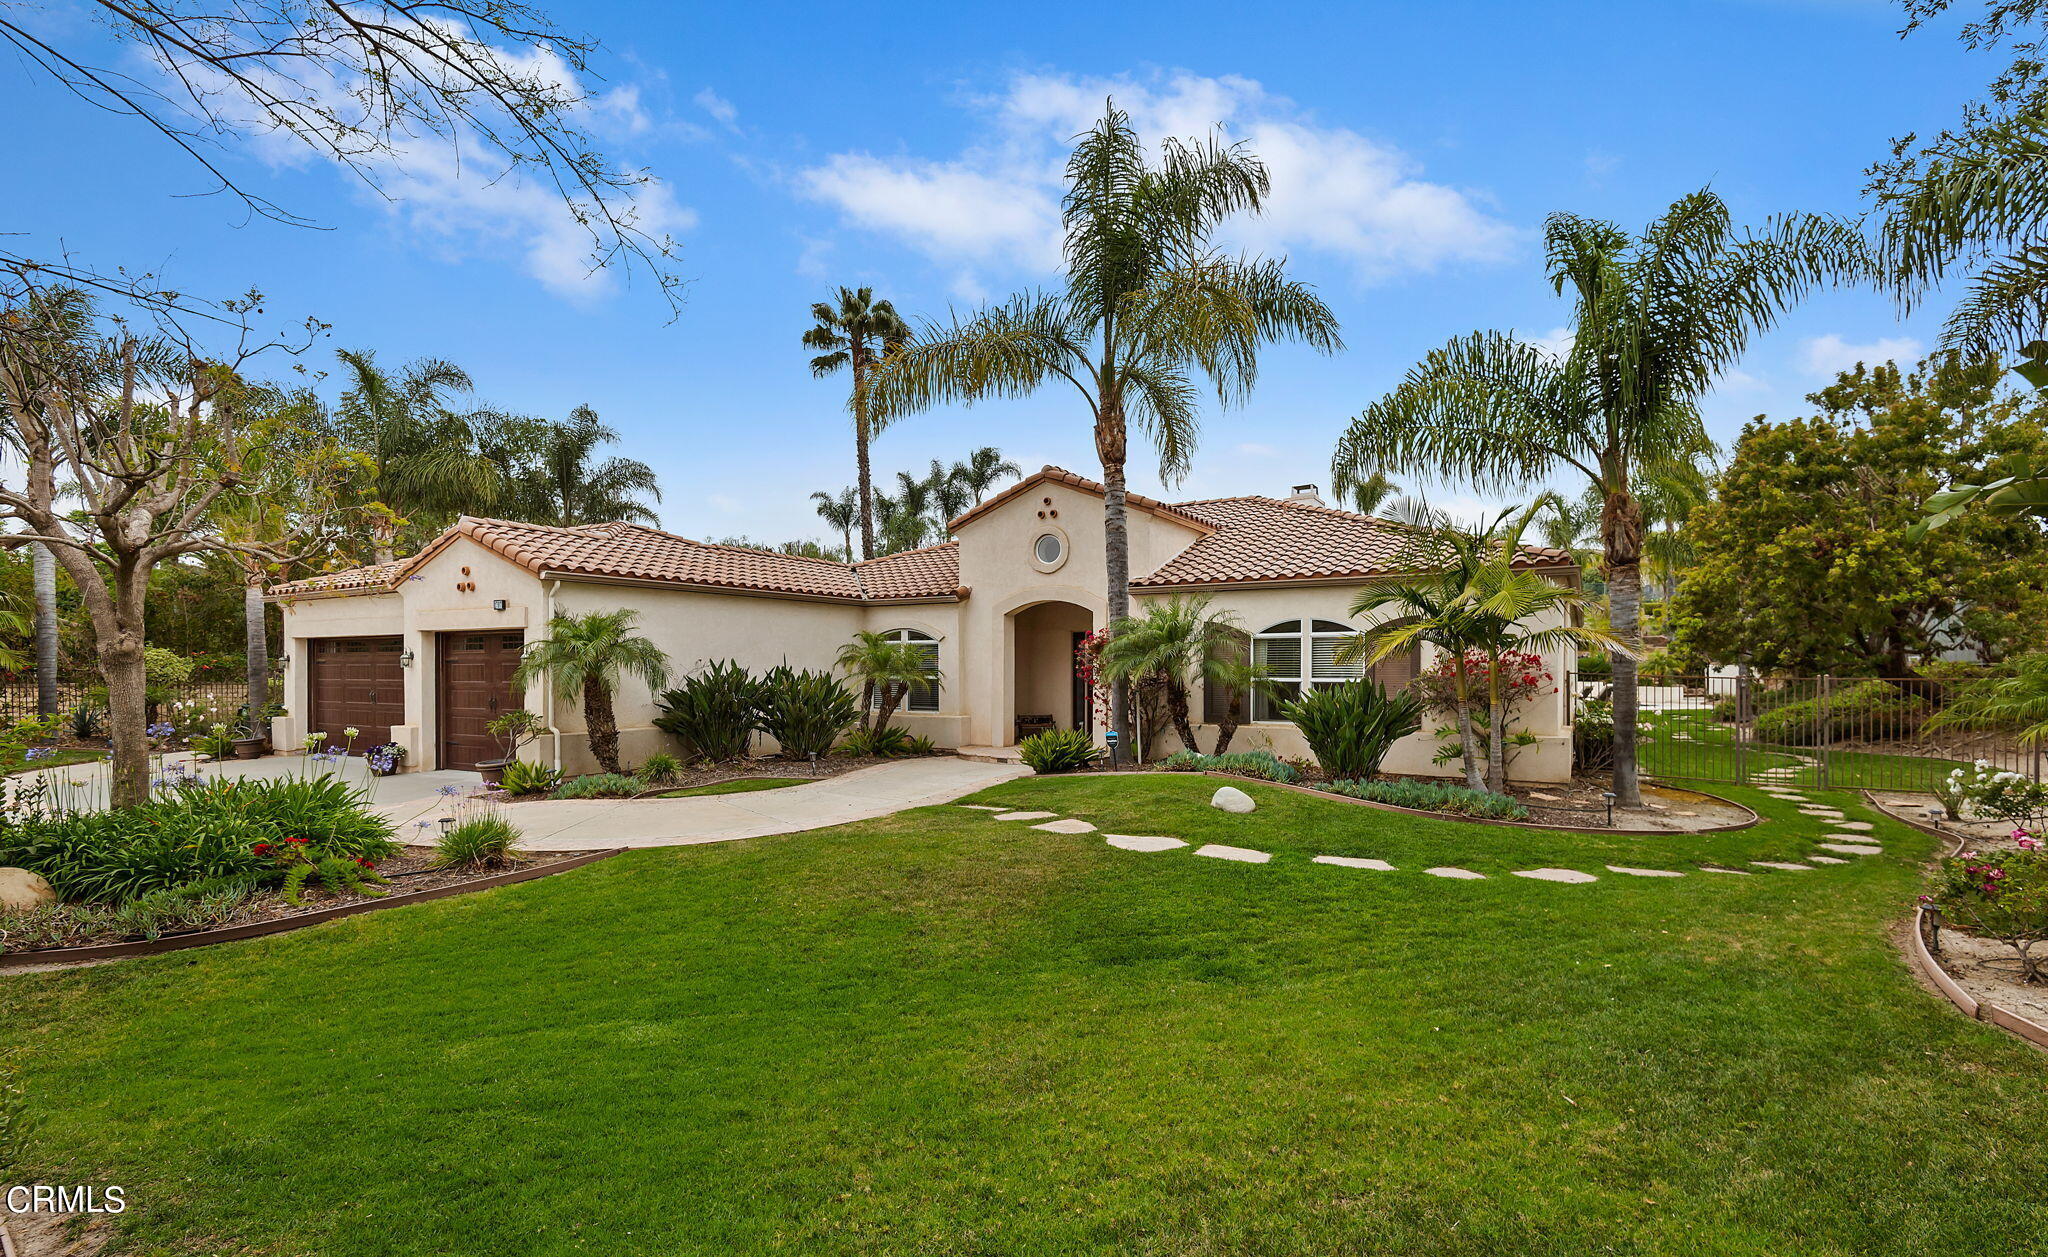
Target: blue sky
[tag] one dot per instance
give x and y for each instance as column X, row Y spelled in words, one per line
column 1415, row 149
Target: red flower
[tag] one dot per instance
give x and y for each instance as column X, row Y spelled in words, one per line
column 301, row 841
column 360, row 860
column 261, row 848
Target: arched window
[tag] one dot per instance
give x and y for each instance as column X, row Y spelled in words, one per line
column 921, row 697
column 1298, row 655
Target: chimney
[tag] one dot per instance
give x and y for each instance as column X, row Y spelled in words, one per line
column 1306, row 493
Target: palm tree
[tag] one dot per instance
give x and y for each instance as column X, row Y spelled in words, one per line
column 1656, row 318
column 840, row 514
column 947, row 494
column 886, row 668
column 1173, row 642
column 565, row 488
column 983, row 468
column 45, row 576
column 857, row 333
column 1367, row 496
column 1570, row 524
column 423, row 456
column 1669, row 497
column 586, row 656
column 1147, row 301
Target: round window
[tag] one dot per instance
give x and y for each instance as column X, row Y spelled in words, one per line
column 1048, row 548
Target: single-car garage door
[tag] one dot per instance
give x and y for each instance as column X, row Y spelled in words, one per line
column 357, row 683
column 476, row 685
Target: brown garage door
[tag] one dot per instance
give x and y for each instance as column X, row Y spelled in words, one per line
column 357, row 683
column 476, row 685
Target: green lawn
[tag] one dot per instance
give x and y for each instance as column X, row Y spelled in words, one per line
column 14, row 763
column 738, row 785
column 943, row 1034
column 1708, row 753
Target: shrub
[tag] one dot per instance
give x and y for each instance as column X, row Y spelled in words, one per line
column 174, row 910
column 920, row 745
column 600, row 786
column 1870, row 709
column 805, row 712
column 481, row 842
column 1595, row 666
column 1593, row 733
column 215, row 742
column 1994, row 792
column 208, row 830
column 1351, row 726
column 88, row 723
column 713, row 712
column 1261, row 764
column 660, row 769
column 877, row 743
column 298, row 861
column 1430, row 796
column 1060, row 751
column 524, row 777
column 2002, row 896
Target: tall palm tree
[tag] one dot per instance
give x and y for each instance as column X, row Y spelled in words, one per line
column 885, row 669
column 1656, row 318
column 1669, row 497
column 44, row 566
column 566, row 485
column 1147, row 302
column 1175, row 642
column 586, row 656
column 1569, row 524
column 840, row 514
column 424, row 460
column 856, row 334
column 947, row 494
column 983, row 469
column 1370, row 494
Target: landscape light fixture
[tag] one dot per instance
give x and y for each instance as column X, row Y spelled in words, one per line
column 1609, row 796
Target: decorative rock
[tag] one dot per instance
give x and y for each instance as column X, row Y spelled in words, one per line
column 1243, row 855
column 1853, row 848
column 1069, row 826
column 1461, row 874
column 1623, row 868
column 1231, row 799
column 1354, row 862
column 1024, row 816
column 1142, row 842
column 1778, row 864
column 1556, row 875
column 20, row 889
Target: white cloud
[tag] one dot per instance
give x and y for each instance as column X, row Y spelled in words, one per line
column 1557, row 342
column 1334, row 191
column 1824, row 356
column 718, row 107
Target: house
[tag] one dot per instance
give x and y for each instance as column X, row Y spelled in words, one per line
column 420, row 651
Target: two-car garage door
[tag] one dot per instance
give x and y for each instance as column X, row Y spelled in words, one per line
column 359, row 683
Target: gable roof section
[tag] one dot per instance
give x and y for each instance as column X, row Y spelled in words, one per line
column 632, row 552
column 1061, row 476
column 1259, row 539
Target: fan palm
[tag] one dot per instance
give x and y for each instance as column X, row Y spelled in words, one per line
column 840, row 514
column 983, row 469
column 1657, row 317
column 1147, row 302
column 886, row 669
column 1174, row 642
column 856, row 334
column 585, row 657
column 423, row 456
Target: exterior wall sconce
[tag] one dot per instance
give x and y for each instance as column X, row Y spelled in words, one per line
column 497, row 604
column 405, row 658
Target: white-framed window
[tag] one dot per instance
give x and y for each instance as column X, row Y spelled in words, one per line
column 1298, row 655
column 921, row 697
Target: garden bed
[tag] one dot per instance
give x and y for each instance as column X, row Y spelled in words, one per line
column 794, row 771
column 1980, row 977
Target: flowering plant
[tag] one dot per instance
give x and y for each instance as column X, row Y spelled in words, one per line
column 386, row 757
column 1994, row 792
column 2000, row 895
column 1522, row 677
column 303, row 861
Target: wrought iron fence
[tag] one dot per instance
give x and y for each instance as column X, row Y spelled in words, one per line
column 1827, row 732
column 190, row 705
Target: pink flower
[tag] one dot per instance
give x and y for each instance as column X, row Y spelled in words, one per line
column 2027, row 844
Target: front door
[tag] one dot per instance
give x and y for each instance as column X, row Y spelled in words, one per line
column 475, row 671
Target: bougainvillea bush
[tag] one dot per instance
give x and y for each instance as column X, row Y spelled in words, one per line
column 1522, row 677
column 2000, row 895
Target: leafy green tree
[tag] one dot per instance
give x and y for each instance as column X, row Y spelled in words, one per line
column 585, row 657
column 552, row 474
column 1147, row 302
column 857, row 333
column 1368, row 495
column 886, row 670
column 1656, row 317
column 1806, row 559
column 983, row 470
column 1178, row 642
column 424, row 462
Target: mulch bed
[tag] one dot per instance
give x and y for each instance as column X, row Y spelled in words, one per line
column 1579, row 805
column 713, row 774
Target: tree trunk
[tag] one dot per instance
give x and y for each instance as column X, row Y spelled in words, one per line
column 1116, row 547
column 860, row 453
column 892, row 694
column 1468, row 739
column 1226, row 724
column 384, row 540
column 867, row 706
column 45, row 565
column 1497, row 732
column 121, row 662
column 256, row 652
column 603, row 726
column 1621, row 537
column 1177, row 707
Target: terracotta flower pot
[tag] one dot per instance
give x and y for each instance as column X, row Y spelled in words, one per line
column 492, row 771
column 250, row 748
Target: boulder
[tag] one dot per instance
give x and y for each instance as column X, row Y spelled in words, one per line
column 21, row 889
column 1232, row 799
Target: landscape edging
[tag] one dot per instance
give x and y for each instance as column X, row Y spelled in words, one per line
column 1755, row 817
column 259, row 929
column 1977, row 1010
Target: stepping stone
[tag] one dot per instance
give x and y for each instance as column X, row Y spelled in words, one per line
column 1826, row 859
column 1243, row 855
column 1853, row 848
column 1466, row 875
column 1141, row 842
column 1817, row 810
column 1066, row 827
column 1779, row 864
column 1864, row 826
column 1715, row 868
column 1556, row 875
column 1353, row 862
column 1025, row 816
column 1622, row 868
column 986, row 807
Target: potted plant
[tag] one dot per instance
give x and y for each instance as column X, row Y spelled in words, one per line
column 384, row 759
column 252, row 743
column 513, row 729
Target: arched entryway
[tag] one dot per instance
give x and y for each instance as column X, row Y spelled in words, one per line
column 1045, row 688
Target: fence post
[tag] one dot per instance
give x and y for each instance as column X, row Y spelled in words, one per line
column 1827, row 692
column 1741, row 724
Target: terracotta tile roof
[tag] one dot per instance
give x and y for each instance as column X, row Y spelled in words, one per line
column 1272, row 539
column 1060, row 475
column 632, row 552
